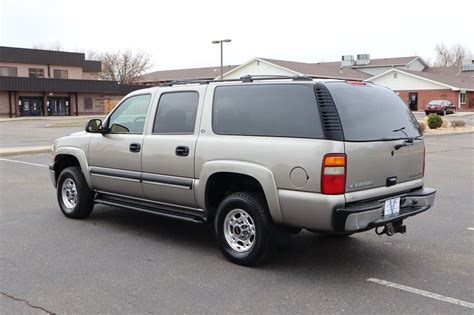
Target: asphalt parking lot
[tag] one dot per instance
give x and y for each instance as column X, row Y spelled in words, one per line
column 119, row 261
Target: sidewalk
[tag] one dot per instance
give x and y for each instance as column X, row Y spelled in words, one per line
column 456, row 114
column 24, row 150
column 53, row 118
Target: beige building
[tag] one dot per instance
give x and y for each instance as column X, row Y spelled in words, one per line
column 37, row 82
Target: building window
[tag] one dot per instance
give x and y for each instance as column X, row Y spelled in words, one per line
column 462, row 98
column 60, row 74
column 8, row 72
column 36, row 73
column 88, row 104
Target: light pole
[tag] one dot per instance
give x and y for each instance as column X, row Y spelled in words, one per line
column 222, row 41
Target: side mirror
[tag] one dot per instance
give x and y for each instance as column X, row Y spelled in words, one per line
column 94, row 126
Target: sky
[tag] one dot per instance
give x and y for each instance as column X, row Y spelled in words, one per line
column 178, row 34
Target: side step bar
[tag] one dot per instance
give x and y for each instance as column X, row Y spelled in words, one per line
column 164, row 210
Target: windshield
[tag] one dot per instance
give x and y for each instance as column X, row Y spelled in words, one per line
column 372, row 113
column 436, row 102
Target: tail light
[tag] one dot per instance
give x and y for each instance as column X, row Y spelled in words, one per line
column 424, row 160
column 333, row 174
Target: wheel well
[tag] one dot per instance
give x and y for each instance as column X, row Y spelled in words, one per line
column 62, row 161
column 220, row 185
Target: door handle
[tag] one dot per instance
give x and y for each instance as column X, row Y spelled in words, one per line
column 182, row 151
column 135, row 147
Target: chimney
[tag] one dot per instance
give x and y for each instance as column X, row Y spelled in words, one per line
column 468, row 64
column 347, row 60
column 363, row 59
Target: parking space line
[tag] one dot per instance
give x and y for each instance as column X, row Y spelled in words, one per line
column 428, row 294
column 23, row 162
column 470, row 228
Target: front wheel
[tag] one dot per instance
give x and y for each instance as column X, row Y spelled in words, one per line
column 75, row 198
column 244, row 229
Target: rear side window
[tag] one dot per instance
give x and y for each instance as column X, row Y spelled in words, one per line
column 370, row 112
column 279, row 110
column 176, row 113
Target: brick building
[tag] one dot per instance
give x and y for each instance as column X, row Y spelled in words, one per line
column 37, row 82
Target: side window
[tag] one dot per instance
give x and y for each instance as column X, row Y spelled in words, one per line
column 130, row 116
column 278, row 110
column 176, row 113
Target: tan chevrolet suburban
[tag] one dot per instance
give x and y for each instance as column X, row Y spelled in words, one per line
column 257, row 157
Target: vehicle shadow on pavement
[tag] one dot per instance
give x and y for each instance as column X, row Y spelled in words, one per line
column 308, row 254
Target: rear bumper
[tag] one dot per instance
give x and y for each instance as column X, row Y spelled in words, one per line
column 361, row 216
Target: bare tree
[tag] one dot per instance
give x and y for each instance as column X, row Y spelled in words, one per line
column 453, row 56
column 124, row 67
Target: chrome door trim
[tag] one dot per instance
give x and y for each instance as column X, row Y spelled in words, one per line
column 166, row 185
column 165, row 180
column 112, row 172
column 116, row 177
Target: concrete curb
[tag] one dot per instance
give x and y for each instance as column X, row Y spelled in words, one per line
column 449, row 134
column 24, row 150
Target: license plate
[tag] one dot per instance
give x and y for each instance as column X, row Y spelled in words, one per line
column 392, row 206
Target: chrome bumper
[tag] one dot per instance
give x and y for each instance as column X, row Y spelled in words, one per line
column 361, row 216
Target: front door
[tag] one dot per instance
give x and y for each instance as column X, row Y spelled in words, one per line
column 413, row 101
column 115, row 157
column 168, row 148
column 31, row 106
column 58, row 106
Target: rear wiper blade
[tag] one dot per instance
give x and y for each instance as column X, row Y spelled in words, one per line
column 408, row 140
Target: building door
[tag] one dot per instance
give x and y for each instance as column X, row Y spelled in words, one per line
column 58, row 106
column 413, row 101
column 31, row 106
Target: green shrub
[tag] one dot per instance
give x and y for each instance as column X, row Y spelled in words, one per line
column 422, row 126
column 457, row 123
column 434, row 121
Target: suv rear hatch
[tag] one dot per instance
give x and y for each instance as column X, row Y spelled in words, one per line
column 382, row 138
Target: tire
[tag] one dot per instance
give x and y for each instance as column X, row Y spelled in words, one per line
column 75, row 199
column 427, row 113
column 244, row 229
column 444, row 113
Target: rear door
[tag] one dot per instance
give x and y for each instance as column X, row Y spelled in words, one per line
column 376, row 124
column 169, row 146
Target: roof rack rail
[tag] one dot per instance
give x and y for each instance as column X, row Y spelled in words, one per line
column 245, row 79
column 177, row 82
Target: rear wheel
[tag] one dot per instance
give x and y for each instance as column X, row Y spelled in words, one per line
column 427, row 113
column 244, row 229
column 75, row 198
column 444, row 112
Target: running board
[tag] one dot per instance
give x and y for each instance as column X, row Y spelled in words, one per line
column 164, row 210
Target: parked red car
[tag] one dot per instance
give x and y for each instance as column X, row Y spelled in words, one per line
column 440, row 107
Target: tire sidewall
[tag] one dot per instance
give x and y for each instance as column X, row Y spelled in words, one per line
column 252, row 256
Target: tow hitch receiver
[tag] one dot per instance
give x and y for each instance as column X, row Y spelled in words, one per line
column 391, row 228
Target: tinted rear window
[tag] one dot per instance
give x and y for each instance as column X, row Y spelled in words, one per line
column 279, row 110
column 370, row 112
